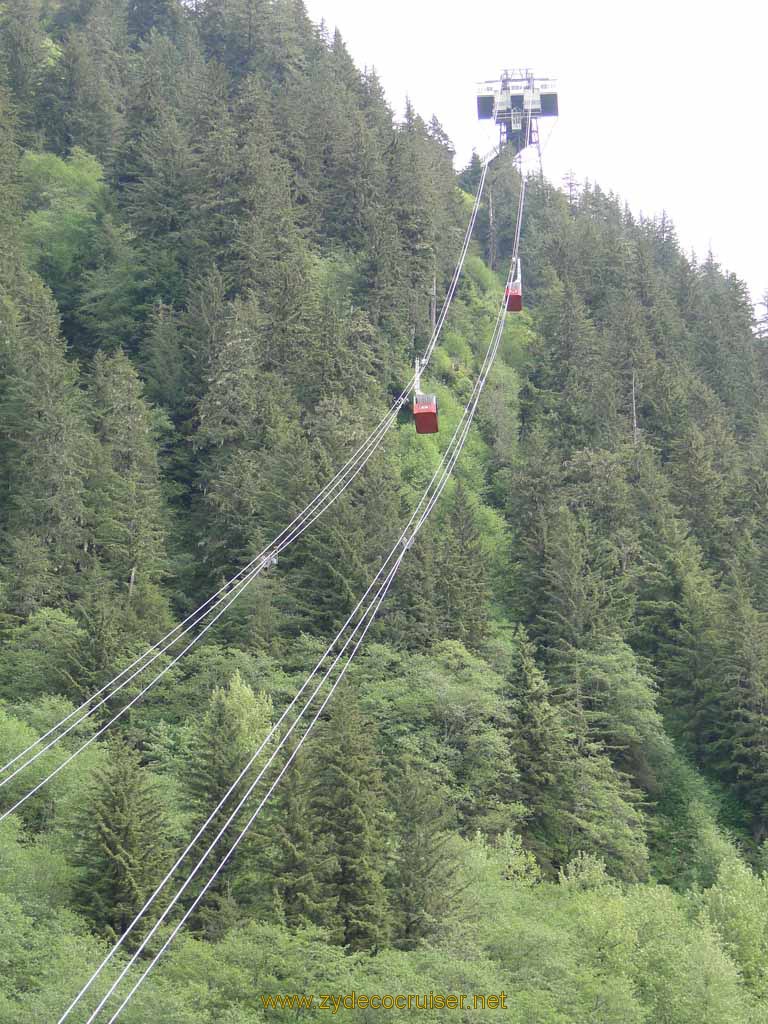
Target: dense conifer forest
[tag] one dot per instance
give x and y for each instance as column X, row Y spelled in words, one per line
column 546, row 772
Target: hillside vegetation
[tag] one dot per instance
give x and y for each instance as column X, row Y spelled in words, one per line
column 546, row 772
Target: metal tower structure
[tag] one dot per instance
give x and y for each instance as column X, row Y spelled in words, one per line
column 514, row 100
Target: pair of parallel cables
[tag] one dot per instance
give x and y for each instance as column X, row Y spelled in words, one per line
column 215, row 606
column 340, row 654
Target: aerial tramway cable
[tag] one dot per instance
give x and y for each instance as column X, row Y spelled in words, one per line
column 388, row 568
column 388, row 571
column 229, row 592
column 398, row 553
column 304, row 519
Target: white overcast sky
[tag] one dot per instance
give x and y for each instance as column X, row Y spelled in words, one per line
column 662, row 103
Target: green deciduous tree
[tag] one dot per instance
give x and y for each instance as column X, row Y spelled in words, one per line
column 40, row 656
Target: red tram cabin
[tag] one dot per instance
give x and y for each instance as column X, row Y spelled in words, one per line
column 425, row 413
column 514, row 292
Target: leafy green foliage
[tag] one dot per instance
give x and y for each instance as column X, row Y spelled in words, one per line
column 44, row 646
column 546, row 772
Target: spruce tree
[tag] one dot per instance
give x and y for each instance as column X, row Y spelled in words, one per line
column 165, row 370
column 332, row 575
column 144, row 16
column 540, row 743
column 426, row 884
column 92, row 83
column 49, row 456
column 293, row 865
column 739, row 747
column 222, row 742
column 689, row 654
column 581, row 586
column 123, row 843
column 161, row 202
column 462, row 586
column 129, row 514
column 574, row 798
column 10, row 197
column 573, row 363
column 702, row 468
column 25, row 56
column 412, row 616
column 469, row 179
column 349, row 801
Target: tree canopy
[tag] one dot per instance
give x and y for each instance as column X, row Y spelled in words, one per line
column 546, row 772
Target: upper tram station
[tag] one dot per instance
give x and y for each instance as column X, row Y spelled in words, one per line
column 513, row 101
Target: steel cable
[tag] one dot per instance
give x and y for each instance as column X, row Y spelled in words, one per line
column 322, row 501
column 419, row 516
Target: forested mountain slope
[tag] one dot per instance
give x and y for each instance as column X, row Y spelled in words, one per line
column 546, row 772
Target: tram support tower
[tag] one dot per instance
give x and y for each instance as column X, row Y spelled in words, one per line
column 514, row 100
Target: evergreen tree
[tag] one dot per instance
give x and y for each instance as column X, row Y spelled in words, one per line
column 161, row 202
column 469, row 179
column 462, row 588
column 144, row 16
column 45, row 646
column 584, row 592
column 574, row 365
column 10, row 198
column 293, row 856
column 92, row 82
column 349, row 800
column 117, row 627
column 703, row 469
column 49, row 452
column 165, row 370
column 221, row 743
column 426, row 874
column 234, row 33
column 26, row 52
column 333, row 575
column 411, row 617
column 573, row 797
column 123, row 846
column 689, row 654
column 740, row 745
column 129, row 515
column 540, row 744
